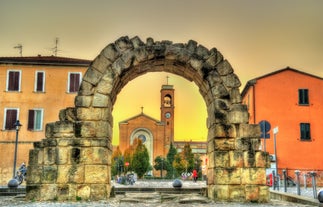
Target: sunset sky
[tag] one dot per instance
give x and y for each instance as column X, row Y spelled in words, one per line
column 256, row 36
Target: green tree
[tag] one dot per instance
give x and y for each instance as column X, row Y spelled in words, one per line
column 170, row 159
column 140, row 161
column 117, row 162
column 128, row 156
column 160, row 164
column 188, row 155
column 179, row 165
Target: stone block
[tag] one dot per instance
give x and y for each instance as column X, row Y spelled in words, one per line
column 249, row 159
column 210, row 145
column 83, row 192
column 210, row 176
column 62, row 155
column 236, row 159
column 95, row 155
column 63, row 192
column 261, row 159
column 62, row 174
column 221, row 131
column 35, row 157
column 49, row 174
column 101, row 100
column 110, row 52
column 48, row 192
column 92, row 76
column 254, row 176
column 106, row 84
column 64, row 142
column 34, row 174
column 86, row 89
column 211, row 159
column 224, row 144
column 235, row 96
column 220, row 91
column 83, row 101
column 96, row 174
column 101, row 63
column 99, row 192
column 50, row 156
column 91, row 114
column 33, row 192
column 222, row 159
column 249, row 131
column 236, row 193
column 238, row 114
column 231, row 81
column 224, row 68
column 228, row 176
column 252, row 193
column 264, row 194
column 76, row 173
column 85, row 129
column 221, row 192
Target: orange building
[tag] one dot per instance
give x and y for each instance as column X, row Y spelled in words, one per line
column 291, row 102
column 33, row 90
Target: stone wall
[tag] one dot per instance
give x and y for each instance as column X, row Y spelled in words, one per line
column 74, row 160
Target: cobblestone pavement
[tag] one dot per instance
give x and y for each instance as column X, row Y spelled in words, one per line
column 120, row 201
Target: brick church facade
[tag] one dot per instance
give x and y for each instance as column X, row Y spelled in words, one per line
column 155, row 134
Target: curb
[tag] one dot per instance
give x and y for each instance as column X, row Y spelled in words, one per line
column 294, row 198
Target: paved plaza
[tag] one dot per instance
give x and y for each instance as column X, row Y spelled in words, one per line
column 153, row 198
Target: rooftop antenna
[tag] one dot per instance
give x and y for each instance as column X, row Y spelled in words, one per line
column 55, row 49
column 19, row 46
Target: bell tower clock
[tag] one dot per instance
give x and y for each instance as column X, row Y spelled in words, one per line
column 167, row 112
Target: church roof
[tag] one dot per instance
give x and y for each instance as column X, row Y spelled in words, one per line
column 138, row 115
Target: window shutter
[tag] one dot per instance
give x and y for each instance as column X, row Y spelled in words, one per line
column 13, row 81
column 31, row 115
column 74, row 82
column 11, row 118
column 40, row 80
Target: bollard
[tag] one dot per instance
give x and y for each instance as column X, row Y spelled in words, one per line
column 274, row 179
column 297, row 182
column 320, row 196
column 313, row 174
column 305, row 184
column 285, row 180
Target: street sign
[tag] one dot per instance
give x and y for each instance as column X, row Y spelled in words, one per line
column 275, row 130
column 265, row 129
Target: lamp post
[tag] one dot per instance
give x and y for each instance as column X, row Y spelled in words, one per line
column 13, row 183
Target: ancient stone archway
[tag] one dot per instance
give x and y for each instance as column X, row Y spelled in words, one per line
column 75, row 158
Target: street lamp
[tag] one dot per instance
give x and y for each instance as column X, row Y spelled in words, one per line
column 13, row 183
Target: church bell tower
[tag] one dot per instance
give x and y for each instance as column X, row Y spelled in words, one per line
column 167, row 112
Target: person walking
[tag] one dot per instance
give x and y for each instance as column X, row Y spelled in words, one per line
column 194, row 175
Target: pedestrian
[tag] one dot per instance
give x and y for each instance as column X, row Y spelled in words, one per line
column 194, row 175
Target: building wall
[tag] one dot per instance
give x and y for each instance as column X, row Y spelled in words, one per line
column 275, row 98
column 52, row 100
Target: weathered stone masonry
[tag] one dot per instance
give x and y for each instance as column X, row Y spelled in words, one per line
column 74, row 160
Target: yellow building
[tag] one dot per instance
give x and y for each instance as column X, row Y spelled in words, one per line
column 33, row 90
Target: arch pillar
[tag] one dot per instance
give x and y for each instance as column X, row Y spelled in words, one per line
column 74, row 160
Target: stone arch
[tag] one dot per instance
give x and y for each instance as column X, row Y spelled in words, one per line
column 75, row 158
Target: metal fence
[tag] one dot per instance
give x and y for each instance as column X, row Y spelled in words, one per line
column 298, row 178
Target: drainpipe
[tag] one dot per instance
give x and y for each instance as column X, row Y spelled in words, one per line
column 254, row 101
